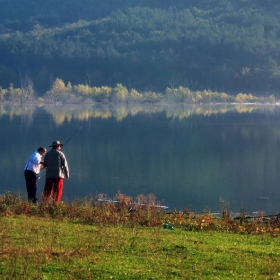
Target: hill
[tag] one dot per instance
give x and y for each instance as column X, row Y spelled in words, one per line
column 221, row 45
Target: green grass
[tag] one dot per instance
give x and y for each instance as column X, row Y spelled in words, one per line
column 84, row 240
column 44, row 248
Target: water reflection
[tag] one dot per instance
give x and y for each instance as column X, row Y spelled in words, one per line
column 187, row 156
column 62, row 113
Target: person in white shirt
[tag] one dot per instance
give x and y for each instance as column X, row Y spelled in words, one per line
column 31, row 173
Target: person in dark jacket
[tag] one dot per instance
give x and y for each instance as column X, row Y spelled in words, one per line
column 56, row 170
column 31, row 173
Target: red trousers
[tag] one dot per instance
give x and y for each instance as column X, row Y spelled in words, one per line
column 53, row 188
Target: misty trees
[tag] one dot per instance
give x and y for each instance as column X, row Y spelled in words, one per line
column 27, row 89
column 59, row 91
column 120, row 94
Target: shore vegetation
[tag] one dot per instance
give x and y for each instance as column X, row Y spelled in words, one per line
column 64, row 93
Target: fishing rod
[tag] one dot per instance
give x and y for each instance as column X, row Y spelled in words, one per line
column 72, row 135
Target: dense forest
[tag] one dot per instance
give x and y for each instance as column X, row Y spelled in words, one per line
column 219, row 45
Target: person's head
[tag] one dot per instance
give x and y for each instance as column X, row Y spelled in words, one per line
column 42, row 151
column 56, row 145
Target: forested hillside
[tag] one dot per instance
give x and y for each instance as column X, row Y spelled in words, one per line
column 222, row 45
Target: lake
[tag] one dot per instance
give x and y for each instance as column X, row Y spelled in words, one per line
column 189, row 157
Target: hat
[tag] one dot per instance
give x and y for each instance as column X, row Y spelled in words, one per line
column 56, row 143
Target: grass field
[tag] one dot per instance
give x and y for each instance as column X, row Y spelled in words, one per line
column 81, row 241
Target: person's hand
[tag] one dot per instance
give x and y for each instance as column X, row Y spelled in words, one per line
column 67, row 176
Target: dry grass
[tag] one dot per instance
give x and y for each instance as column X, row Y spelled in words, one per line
column 142, row 211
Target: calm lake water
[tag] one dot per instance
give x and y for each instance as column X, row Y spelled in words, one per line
column 188, row 157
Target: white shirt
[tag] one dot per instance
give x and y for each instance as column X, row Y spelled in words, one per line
column 33, row 162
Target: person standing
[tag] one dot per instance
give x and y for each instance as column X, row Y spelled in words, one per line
column 31, row 173
column 56, row 170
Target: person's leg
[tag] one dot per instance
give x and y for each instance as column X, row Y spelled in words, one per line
column 58, row 188
column 48, row 190
column 31, row 185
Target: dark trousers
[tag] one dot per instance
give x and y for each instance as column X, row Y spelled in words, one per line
column 31, row 185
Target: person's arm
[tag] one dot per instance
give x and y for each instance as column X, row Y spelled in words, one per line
column 65, row 166
column 45, row 162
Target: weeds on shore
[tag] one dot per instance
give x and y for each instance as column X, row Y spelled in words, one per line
column 143, row 211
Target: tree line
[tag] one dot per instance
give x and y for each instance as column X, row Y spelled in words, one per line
column 62, row 93
column 221, row 45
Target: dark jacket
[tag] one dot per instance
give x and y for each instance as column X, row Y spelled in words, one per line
column 56, row 164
